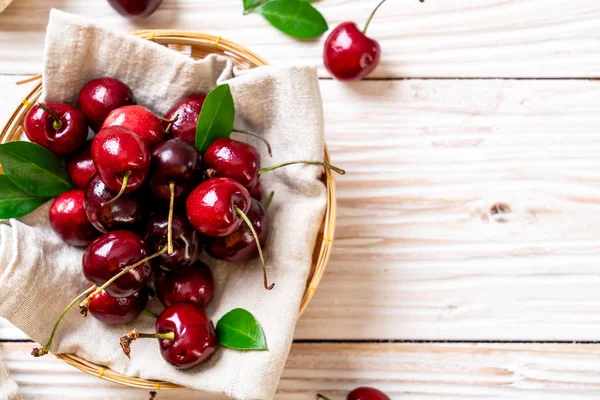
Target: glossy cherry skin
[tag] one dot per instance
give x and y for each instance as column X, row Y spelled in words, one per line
column 367, row 393
column 187, row 242
column 240, row 245
column 81, row 167
column 228, row 158
column 116, row 150
column 349, row 54
column 256, row 191
column 175, row 161
column 187, row 111
column 110, row 254
column 100, row 96
column 127, row 212
column 118, row 310
column 211, row 206
column 39, row 128
column 192, row 285
column 69, row 221
column 195, row 338
column 140, row 121
column 135, row 8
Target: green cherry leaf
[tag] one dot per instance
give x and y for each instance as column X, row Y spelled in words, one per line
column 238, row 329
column 34, row 169
column 297, row 18
column 14, row 202
column 249, row 5
column 216, row 117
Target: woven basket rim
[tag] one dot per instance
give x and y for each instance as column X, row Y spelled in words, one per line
column 12, row 130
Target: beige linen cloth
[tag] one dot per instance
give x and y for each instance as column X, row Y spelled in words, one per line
column 39, row 274
column 8, row 387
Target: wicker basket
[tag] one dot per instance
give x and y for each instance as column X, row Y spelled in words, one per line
column 196, row 45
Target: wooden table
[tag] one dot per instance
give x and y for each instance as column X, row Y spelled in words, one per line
column 467, row 257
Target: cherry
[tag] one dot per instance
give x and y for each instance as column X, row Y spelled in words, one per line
column 185, row 115
column 81, row 167
column 240, row 246
column 140, row 120
column 215, row 207
column 110, row 254
column 135, row 8
column 187, row 242
column 256, row 191
column 228, row 158
column 127, row 212
column 69, row 221
column 363, row 393
column 58, row 127
column 100, row 96
column 175, row 161
column 121, row 158
column 118, row 310
column 192, row 285
column 186, row 336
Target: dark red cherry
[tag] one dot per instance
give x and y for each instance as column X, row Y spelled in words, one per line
column 186, row 113
column 187, row 242
column 256, row 191
column 118, row 310
column 228, row 158
column 140, row 121
column 100, row 96
column 212, row 208
column 68, row 219
column 127, row 212
column 120, row 154
column 367, row 393
column 112, row 252
column 240, row 245
column 194, row 339
column 175, row 161
column 81, row 167
column 192, row 285
column 135, row 8
column 58, row 127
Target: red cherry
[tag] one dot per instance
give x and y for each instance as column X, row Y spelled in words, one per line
column 100, row 96
column 367, row 393
column 228, row 158
column 140, row 120
column 69, row 221
column 214, row 207
column 81, row 167
column 256, row 191
column 186, row 113
column 135, row 8
column 121, row 158
column 194, row 339
column 192, row 285
column 58, row 127
column 118, row 310
column 110, row 254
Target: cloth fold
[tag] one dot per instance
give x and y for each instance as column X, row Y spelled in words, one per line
column 39, row 274
column 8, row 387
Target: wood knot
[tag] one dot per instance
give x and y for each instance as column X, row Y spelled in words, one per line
column 499, row 211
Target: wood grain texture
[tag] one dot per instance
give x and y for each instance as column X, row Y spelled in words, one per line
column 470, row 211
column 407, row 371
column 450, row 38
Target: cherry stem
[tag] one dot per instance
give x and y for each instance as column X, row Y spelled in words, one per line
column 269, row 200
column 168, row 128
column 57, row 124
column 126, row 340
column 328, row 166
column 170, row 121
column 373, row 14
column 123, row 187
column 83, row 307
column 37, row 352
column 149, row 313
column 320, row 396
column 260, row 253
column 265, row 141
column 170, row 221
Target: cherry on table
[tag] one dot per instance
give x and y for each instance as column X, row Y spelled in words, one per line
column 58, row 127
column 192, row 285
column 135, row 8
column 81, row 167
column 362, row 393
column 140, row 121
column 118, row 310
column 100, row 96
column 185, row 117
column 68, row 219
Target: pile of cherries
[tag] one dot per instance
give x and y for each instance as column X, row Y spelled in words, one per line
column 136, row 162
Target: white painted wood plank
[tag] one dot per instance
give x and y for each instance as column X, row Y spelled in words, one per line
column 450, row 38
column 407, row 371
